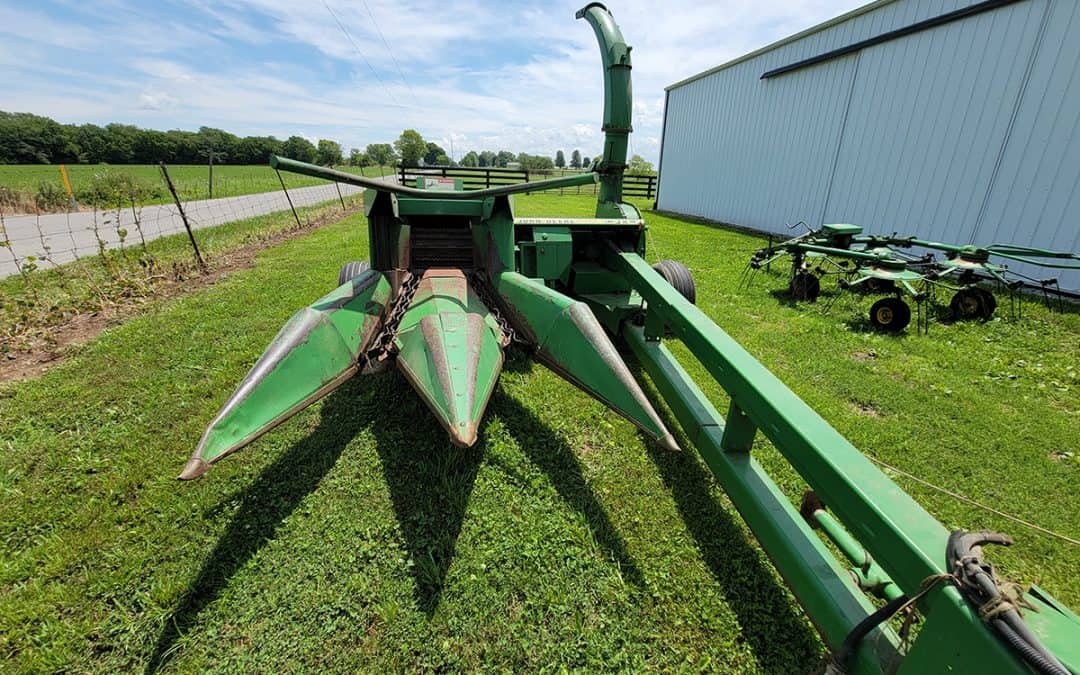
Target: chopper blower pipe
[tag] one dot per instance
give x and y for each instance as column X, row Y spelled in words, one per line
column 618, row 102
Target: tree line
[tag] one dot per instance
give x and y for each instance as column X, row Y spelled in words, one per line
column 26, row 138
column 32, row 139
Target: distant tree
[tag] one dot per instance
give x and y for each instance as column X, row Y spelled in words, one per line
column 470, row 159
column 410, row 147
column 431, row 154
column 538, row 163
column 358, row 157
column 381, row 154
column 26, row 138
column 328, row 153
column 560, row 159
column 249, row 150
column 640, row 166
column 151, row 147
column 503, row 157
column 299, row 148
column 441, row 160
column 575, row 159
column 486, row 158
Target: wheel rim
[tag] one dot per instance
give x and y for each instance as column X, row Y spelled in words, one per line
column 884, row 315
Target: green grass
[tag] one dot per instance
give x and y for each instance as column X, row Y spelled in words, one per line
column 356, row 538
column 191, row 181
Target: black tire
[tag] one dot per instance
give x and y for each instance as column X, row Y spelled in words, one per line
column 973, row 303
column 676, row 274
column 890, row 314
column 352, row 269
column 989, row 304
column 804, row 286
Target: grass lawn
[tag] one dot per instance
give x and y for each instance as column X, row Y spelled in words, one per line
column 191, row 181
column 355, row 537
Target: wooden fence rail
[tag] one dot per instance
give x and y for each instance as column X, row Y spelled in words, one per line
column 476, row 178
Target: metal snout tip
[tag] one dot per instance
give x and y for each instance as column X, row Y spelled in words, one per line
column 668, row 443
column 463, row 436
column 193, row 469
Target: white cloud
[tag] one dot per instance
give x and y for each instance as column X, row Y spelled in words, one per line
column 523, row 77
column 156, row 100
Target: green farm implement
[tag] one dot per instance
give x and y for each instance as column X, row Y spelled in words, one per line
column 883, row 265
column 454, row 279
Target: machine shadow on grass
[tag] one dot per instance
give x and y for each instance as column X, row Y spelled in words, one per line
column 545, row 449
column 431, row 480
column 264, row 505
column 768, row 616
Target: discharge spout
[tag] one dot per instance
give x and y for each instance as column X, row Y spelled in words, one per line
column 618, row 102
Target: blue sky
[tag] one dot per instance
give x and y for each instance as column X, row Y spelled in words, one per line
column 518, row 76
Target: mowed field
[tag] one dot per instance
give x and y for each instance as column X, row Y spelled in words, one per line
column 191, row 181
column 357, row 538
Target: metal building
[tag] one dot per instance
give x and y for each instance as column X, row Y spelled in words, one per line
column 951, row 120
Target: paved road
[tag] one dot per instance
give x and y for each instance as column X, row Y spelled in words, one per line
column 62, row 237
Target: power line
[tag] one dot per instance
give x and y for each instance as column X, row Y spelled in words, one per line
column 968, row 500
column 391, row 51
column 362, row 57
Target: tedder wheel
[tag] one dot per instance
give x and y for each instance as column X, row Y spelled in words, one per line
column 352, row 269
column 676, row 274
column 890, row 314
column 973, row 303
column 804, row 286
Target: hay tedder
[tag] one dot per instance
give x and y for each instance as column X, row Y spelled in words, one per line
column 883, row 265
column 454, row 279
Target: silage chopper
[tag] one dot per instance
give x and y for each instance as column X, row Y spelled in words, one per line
column 454, row 278
column 883, row 265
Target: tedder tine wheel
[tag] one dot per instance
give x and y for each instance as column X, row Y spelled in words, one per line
column 352, row 269
column 973, row 303
column 804, row 286
column 676, row 274
column 890, row 314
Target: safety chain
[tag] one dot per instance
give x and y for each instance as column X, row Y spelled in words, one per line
column 481, row 285
column 382, row 347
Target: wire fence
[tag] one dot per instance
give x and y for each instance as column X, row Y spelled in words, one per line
column 41, row 240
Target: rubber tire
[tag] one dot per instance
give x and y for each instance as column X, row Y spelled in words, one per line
column 989, row 304
column 352, row 269
column 804, row 286
column 890, row 314
column 676, row 274
column 973, row 303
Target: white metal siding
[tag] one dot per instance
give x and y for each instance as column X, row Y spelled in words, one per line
column 968, row 132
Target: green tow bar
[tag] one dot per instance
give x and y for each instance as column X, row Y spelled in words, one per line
column 455, row 279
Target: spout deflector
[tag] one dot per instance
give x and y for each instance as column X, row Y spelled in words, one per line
column 313, row 354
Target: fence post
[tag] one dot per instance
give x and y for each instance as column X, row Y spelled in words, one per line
column 288, row 198
column 183, row 216
column 340, row 198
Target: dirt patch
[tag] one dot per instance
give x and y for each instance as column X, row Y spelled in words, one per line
column 42, row 354
column 869, row 355
column 864, row 409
